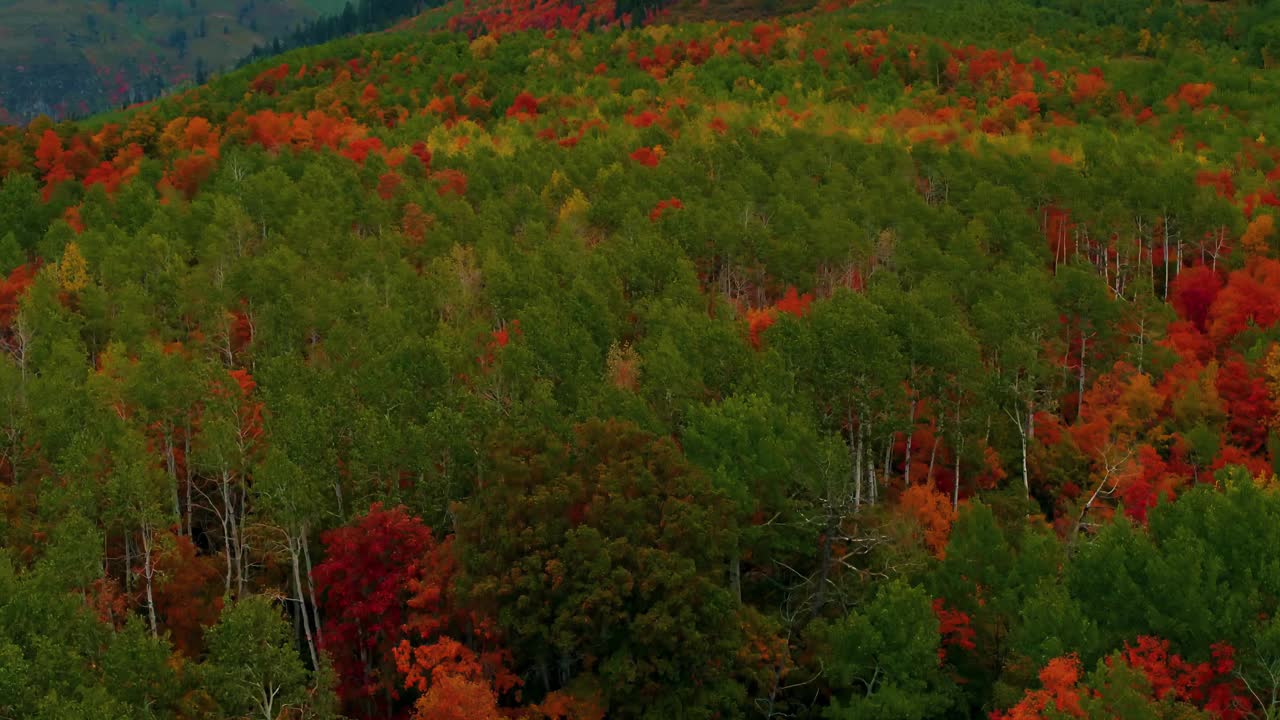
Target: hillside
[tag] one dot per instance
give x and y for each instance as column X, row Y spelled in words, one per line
column 60, row 57
column 907, row 359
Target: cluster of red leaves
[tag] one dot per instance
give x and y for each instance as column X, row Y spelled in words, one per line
column 1191, row 95
column 499, row 339
column 1208, row 685
column 315, row 129
column 524, row 108
column 954, row 627
column 648, row 157
column 1221, row 181
column 450, row 182
column 11, row 290
column 761, row 319
column 269, row 80
column 663, row 205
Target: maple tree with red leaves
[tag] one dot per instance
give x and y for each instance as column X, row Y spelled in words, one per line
column 364, row 588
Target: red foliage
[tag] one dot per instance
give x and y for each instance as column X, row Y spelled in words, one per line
column 1028, row 100
column 1209, row 685
column 423, row 153
column 1247, row 401
column 358, row 150
column 794, row 304
column 524, row 108
column 364, row 585
column 1193, row 293
column 415, row 223
column 643, row 120
column 648, row 157
column 1220, row 181
column 1250, row 298
column 1192, row 95
column 188, row 174
column 450, row 182
column 72, row 217
column 12, row 290
column 663, row 205
column 388, row 184
column 954, row 627
column 269, row 80
column 189, row 595
column 1087, row 87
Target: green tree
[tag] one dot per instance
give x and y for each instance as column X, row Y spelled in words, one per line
column 605, row 558
column 884, row 659
column 253, row 669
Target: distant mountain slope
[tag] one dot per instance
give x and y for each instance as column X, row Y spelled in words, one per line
column 72, row 57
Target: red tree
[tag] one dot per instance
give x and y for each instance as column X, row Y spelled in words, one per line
column 365, row 585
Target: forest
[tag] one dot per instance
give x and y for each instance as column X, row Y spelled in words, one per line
column 547, row 360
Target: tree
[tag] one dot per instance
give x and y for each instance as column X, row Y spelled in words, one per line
column 884, row 659
column 253, row 668
column 761, row 456
column 604, row 557
column 364, row 586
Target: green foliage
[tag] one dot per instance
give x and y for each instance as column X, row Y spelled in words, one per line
column 885, row 657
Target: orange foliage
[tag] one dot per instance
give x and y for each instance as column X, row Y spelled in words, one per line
column 456, row 698
column 933, row 511
column 757, row 322
column 561, row 705
column 1256, row 238
column 72, row 217
column 1087, row 87
column 1058, row 693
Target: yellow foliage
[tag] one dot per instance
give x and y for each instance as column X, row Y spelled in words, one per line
column 73, row 271
column 483, row 47
column 557, row 189
column 573, row 213
column 658, row 33
column 793, row 39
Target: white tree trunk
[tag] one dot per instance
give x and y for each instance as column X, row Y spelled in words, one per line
column 148, row 573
